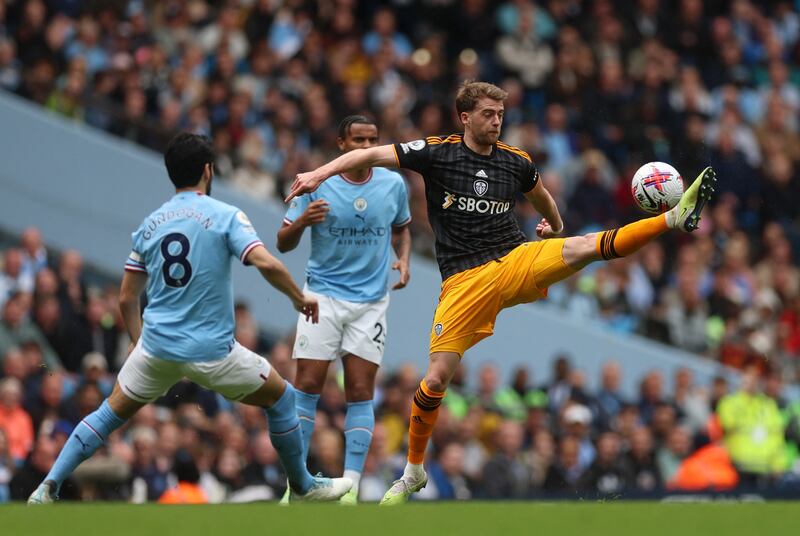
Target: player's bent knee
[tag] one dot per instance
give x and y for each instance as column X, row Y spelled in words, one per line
column 580, row 250
column 436, row 381
column 441, row 368
column 122, row 405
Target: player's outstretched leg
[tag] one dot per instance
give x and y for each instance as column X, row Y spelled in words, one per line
column 424, row 412
column 84, row 440
column 306, row 405
column 686, row 215
column 578, row 251
column 309, row 380
column 278, row 397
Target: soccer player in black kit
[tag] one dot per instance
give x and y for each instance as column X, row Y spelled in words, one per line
column 486, row 261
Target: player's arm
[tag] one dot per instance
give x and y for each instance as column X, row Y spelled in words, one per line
column 381, row 156
column 133, row 284
column 552, row 224
column 401, row 243
column 290, row 233
column 278, row 276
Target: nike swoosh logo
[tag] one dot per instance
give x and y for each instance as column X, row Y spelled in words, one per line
column 644, row 191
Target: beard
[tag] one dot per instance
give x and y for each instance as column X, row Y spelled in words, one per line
column 488, row 138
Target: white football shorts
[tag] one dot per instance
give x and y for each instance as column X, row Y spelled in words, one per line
column 344, row 328
column 145, row 378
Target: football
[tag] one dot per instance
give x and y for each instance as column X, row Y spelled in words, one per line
column 657, row 187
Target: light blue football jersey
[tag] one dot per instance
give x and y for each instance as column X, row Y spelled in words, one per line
column 351, row 250
column 185, row 247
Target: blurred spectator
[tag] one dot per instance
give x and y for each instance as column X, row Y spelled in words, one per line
column 10, row 68
column 14, row 420
column 523, row 53
column 754, row 431
column 591, row 200
column 14, row 279
column 609, row 399
column 559, row 390
column 149, row 473
column 187, row 490
column 609, row 474
column 565, row 474
column 651, row 394
column 264, row 473
column 504, row 475
column 384, row 33
column 17, row 330
column 95, row 369
column 486, row 394
column 512, row 400
column 687, row 314
column 448, row 476
column 577, row 424
column 557, row 141
column 542, row 456
column 670, row 456
column 641, row 456
column 35, row 469
column 7, row 466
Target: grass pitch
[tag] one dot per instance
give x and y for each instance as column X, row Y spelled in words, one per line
column 489, row 518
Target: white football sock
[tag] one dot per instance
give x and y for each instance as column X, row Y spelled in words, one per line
column 672, row 216
column 355, row 476
column 414, row 470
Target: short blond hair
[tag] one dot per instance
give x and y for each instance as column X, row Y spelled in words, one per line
column 471, row 92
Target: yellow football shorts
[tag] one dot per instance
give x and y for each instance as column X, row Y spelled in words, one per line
column 471, row 300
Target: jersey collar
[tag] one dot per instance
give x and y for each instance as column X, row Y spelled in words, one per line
column 365, row 181
column 476, row 155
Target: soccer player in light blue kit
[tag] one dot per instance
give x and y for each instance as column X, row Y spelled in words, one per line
column 355, row 218
column 182, row 255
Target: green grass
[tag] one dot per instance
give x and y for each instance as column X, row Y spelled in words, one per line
column 585, row 519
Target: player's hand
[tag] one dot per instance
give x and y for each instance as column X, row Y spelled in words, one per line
column 309, row 307
column 405, row 274
column 315, row 213
column 304, row 183
column 545, row 230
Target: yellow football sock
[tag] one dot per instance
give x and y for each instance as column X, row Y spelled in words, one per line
column 424, row 411
column 621, row 242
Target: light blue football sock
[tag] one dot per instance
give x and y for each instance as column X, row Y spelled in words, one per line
column 84, row 440
column 359, row 422
column 284, row 431
column 307, row 413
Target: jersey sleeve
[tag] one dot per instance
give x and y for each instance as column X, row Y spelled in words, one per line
column 529, row 176
column 241, row 236
column 297, row 206
column 403, row 216
column 414, row 155
column 136, row 261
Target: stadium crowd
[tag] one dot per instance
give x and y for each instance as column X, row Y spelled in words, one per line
column 62, row 339
column 596, row 88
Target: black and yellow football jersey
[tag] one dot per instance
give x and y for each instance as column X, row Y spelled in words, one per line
column 470, row 197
